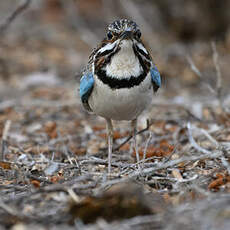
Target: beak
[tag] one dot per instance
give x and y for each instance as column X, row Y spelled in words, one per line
column 127, row 34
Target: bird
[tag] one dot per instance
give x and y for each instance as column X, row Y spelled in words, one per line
column 120, row 79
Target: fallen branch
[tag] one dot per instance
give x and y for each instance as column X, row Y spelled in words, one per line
column 8, row 209
column 150, row 171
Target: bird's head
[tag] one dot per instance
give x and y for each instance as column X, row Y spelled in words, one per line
column 121, row 34
column 123, row 29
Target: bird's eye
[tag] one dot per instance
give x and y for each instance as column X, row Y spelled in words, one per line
column 109, row 35
column 138, row 34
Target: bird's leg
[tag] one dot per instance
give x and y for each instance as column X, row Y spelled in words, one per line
column 110, row 142
column 134, row 127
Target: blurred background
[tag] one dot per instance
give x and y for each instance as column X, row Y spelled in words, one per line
column 50, row 41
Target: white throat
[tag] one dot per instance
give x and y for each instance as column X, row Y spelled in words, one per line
column 124, row 63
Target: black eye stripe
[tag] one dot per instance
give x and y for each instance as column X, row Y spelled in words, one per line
column 138, row 33
column 142, row 52
column 109, row 35
column 106, row 52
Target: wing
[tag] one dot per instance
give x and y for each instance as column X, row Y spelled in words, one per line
column 156, row 78
column 86, row 87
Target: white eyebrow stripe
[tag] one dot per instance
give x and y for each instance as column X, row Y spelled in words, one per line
column 140, row 46
column 109, row 46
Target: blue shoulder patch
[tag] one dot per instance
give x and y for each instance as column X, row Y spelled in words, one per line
column 86, row 86
column 156, row 78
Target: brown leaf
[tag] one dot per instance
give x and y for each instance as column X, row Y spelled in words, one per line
column 35, row 183
column 51, row 129
column 77, row 151
column 5, row 165
column 102, row 135
column 221, row 180
column 164, row 150
column 125, row 147
column 176, row 173
column 98, row 127
column 116, row 135
column 56, row 179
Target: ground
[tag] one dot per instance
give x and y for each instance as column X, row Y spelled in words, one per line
column 53, row 168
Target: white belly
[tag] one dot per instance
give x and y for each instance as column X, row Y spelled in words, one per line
column 120, row 104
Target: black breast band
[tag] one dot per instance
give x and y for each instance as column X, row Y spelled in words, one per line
column 115, row 83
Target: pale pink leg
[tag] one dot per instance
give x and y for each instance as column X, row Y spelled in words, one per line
column 110, row 142
column 134, row 127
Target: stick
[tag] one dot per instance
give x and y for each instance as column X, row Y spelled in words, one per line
column 146, row 146
column 12, row 17
column 10, row 210
column 193, row 142
column 217, row 67
column 4, row 138
column 150, row 171
column 199, row 74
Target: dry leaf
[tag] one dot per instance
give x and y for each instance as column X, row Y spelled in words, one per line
column 116, row 135
column 177, row 175
column 5, row 165
column 221, row 180
column 35, row 183
column 51, row 129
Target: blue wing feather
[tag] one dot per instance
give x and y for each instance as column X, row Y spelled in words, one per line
column 86, row 87
column 156, row 78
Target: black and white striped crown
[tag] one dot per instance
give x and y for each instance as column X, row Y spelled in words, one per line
column 121, row 25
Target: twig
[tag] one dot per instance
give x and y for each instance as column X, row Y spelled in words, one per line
column 129, row 138
column 218, row 73
column 13, row 15
column 193, row 142
column 65, row 149
column 146, row 145
column 225, row 164
column 217, row 90
column 4, row 138
column 150, row 171
column 8, row 209
column 6, row 130
column 73, row 195
column 199, row 74
column 193, row 67
column 171, row 179
column 203, row 131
